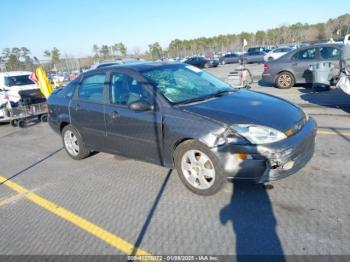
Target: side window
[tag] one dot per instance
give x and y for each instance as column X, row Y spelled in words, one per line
column 91, row 88
column 330, row 53
column 124, row 90
column 69, row 89
column 305, row 54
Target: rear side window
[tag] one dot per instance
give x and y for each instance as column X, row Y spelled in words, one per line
column 330, row 53
column 69, row 89
column 306, row 54
column 91, row 88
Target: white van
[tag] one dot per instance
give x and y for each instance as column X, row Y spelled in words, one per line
column 11, row 83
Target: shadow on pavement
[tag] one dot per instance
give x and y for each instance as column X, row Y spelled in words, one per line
column 333, row 99
column 32, row 165
column 150, row 214
column 251, row 214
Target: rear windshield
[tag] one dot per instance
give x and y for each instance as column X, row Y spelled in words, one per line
column 20, row 80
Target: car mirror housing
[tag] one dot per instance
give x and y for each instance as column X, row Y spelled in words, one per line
column 141, row 106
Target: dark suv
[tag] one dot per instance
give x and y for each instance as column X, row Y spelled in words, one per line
column 177, row 115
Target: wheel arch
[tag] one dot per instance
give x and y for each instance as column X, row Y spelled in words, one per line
column 63, row 125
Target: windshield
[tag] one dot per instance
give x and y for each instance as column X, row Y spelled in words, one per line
column 20, row 80
column 181, row 83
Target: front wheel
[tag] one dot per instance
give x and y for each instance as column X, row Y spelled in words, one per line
column 285, row 80
column 198, row 168
column 73, row 143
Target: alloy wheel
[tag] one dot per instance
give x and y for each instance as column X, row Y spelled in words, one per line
column 198, row 169
column 71, row 143
column 284, row 80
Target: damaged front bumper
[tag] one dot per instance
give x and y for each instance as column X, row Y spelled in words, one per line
column 272, row 161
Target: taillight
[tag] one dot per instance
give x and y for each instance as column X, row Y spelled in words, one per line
column 266, row 67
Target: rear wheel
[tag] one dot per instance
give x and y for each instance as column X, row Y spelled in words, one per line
column 285, row 80
column 198, row 168
column 73, row 143
column 43, row 118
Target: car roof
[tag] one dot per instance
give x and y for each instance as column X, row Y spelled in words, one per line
column 137, row 66
column 323, row 45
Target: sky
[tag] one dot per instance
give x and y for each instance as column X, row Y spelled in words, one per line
column 75, row 26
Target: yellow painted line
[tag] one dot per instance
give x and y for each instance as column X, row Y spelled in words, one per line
column 7, row 200
column 80, row 222
column 326, row 132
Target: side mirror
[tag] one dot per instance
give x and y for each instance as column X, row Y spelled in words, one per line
column 140, row 106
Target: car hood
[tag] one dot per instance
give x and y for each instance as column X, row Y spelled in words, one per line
column 249, row 107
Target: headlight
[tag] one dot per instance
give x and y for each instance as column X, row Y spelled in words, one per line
column 259, row 134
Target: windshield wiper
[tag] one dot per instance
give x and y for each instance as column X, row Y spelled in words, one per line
column 192, row 100
column 221, row 93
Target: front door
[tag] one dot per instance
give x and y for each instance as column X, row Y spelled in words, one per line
column 132, row 133
column 87, row 110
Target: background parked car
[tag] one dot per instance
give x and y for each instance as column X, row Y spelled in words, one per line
column 293, row 67
column 201, row 62
column 258, row 49
column 229, row 58
column 277, row 53
column 253, row 57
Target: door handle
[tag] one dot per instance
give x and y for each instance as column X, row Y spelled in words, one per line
column 114, row 114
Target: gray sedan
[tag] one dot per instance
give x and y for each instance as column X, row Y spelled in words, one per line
column 293, row 67
column 179, row 116
column 229, row 58
column 253, row 57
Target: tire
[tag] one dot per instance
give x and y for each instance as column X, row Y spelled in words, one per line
column 204, row 169
column 285, row 80
column 21, row 123
column 73, row 143
column 14, row 123
column 43, row 118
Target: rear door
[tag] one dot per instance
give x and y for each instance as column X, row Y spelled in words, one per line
column 300, row 63
column 87, row 110
column 333, row 55
column 131, row 133
column 330, row 54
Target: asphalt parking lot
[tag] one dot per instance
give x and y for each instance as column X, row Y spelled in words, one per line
column 105, row 204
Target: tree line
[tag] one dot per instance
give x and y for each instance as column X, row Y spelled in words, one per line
column 12, row 59
column 117, row 50
column 295, row 33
